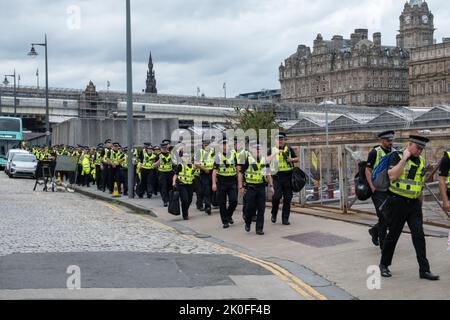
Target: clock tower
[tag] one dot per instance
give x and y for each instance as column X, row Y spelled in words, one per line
column 416, row 25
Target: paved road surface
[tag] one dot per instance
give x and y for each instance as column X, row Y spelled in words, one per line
column 48, row 239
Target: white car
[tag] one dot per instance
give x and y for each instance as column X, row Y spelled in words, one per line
column 23, row 165
column 9, row 156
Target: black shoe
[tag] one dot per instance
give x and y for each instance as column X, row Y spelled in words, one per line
column 149, row 196
column 208, row 211
column 274, row 219
column 286, row 223
column 226, row 225
column 429, row 276
column 260, row 232
column 201, row 209
column 374, row 238
column 185, row 218
column 166, row 204
column 247, row 227
column 254, row 218
column 231, row 221
column 385, row 272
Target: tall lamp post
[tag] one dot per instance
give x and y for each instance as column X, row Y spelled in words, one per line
column 34, row 54
column 6, row 82
column 130, row 129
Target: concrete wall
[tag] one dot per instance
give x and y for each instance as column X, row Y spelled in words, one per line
column 90, row 132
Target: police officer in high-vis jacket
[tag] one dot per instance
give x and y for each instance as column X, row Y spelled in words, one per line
column 379, row 230
column 183, row 182
column 147, row 171
column 282, row 160
column 224, row 183
column 165, row 171
column 444, row 180
column 256, row 173
column 204, row 161
column 407, row 178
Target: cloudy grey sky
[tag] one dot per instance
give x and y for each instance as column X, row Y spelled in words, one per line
column 195, row 43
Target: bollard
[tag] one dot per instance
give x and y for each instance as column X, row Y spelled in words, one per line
column 316, row 193
column 330, row 191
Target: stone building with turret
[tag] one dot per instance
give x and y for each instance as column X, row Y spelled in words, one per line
column 358, row 70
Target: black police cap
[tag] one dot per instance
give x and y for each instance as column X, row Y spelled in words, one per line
column 389, row 135
column 420, row 141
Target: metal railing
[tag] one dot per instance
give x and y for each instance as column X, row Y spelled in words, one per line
column 331, row 172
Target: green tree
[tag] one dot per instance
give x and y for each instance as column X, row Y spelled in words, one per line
column 248, row 118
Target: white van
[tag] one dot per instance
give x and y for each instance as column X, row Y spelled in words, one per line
column 9, row 157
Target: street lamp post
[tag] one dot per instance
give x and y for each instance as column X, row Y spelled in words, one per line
column 0, row 100
column 33, row 54
column 326, row 124
column 6, row 82
column 130, row 129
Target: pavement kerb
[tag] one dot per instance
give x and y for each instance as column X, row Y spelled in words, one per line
column 348, row 218
column 137, row 209
column 275, row 265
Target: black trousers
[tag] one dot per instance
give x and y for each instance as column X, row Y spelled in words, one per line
column 224, row 190
column 255, row 199
column 165, row 183
column 401, row 210
column 380, row 229
column 147, row 182
column 283, row 189
column 156, row 184
column 106, row 180
column 123, row 179
column 85, row 179
column 99, row 177
column 114, row 174
column 206, row 183
column 198, row 192
column 186, row 191
column 79, row 177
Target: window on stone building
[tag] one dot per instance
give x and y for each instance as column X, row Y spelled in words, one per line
column 448, row 87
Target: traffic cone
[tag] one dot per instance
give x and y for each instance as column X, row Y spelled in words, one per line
column 116, row 191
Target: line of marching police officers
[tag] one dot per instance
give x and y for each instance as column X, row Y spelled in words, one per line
column 211, row 176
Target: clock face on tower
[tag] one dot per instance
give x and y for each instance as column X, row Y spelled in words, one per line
column 408, row 19
column 425, row 19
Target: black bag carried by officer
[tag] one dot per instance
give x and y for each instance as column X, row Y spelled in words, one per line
column 174, row 203
column 362, row 188
column 298, row 179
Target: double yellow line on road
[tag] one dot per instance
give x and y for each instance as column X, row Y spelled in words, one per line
column 294, row 282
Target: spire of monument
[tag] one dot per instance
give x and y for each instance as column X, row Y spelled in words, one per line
column 151, row 79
